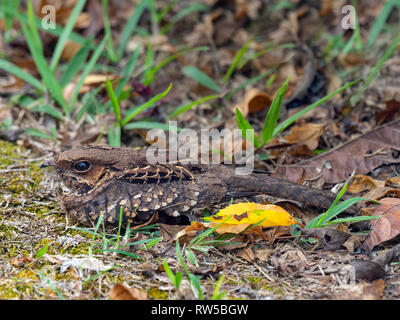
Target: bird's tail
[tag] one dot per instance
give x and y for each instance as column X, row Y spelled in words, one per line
column 259, row 183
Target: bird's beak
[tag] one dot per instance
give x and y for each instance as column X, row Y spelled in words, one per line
column 49, row 162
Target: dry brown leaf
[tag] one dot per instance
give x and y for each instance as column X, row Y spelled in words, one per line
column 188, row 233
column 351, row 59
column 354, row 241
column 392, row 107
column 277, row 233
column 379, row 193
column 121, row 292
column 363, row 291
column 253, row 101
column 97, row 79
column 307, row 134
column 263, row 254
column 387, row 226
column 92, row 80
column 247, row 254
column 21, row 262
column 70, row 50
column 392, row 182
column 362, row 183
column 168, row 231
column 362, row 154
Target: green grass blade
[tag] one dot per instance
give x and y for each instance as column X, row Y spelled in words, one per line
column 144, row 242
column 42, row 251
column 349, row 44
column 185, row 107
column 100, row 273
column 248, row 82
column 107, row 29
column 127, row 72
column 51, row 285
column 194, row 280
column 36, row 42
column 126, row 253
column 197, row 239
column 236, row 60
column 380, row 22
column 358, row 40
column 12, row 6
column 342, row 206
column 99, row 221
column 199, row 76
column 273, row 114
column 327, row 215
column 114, row 100
column 218, row 295
column 354, row 219
column 167, row 8
column 258, row 54
column 75, row 65
column 88, row 99
column 56, row 32
column 130, row 27
column 244, row 125
column 169, row 273
column 37, row 133
column 155, row 69
column 114, row 136
column 65, row 34
column 149, row 125
column 376, row 69
column 282, row 126
column 196, row 283
column 47, row 76
column 196, row 7
column 50, row 110
column 121, row 208
column 151, row 5
column 20, row 73
column 148, row 64
column 135, row 111
column 90, row 65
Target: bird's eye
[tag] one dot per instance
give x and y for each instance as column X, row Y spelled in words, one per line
column 82, row 166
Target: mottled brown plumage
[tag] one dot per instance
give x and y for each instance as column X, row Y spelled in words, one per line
column 99, row 180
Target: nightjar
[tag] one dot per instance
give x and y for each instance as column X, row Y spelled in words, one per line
column 108, row 181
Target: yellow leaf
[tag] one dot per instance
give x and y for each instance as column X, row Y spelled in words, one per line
column 253, row 213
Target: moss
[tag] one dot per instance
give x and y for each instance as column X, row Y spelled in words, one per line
column 262, row 283
column 28, row 273
column 9, row 150
column 69, row 275
column 79, row 249
column 7, row 232
column 275, row 290
column 14, row 251
column 254, row 280
column 42, row 243
column 16, row 182
column 158, row 294
column 16, row 291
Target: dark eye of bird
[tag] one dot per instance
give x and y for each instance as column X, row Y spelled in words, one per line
column 82, row 166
